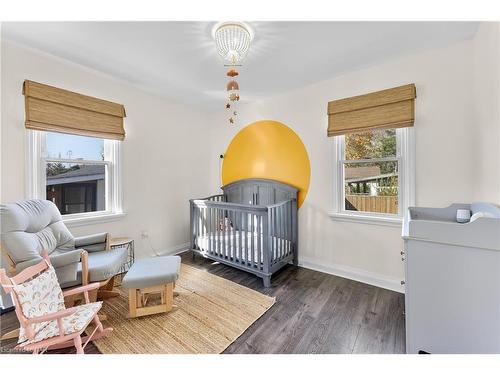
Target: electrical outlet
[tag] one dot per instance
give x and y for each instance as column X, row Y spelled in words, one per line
column 144, row 234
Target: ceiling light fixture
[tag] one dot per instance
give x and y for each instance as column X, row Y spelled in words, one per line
column 233, row 41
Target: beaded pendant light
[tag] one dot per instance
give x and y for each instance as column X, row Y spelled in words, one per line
column 233, row 41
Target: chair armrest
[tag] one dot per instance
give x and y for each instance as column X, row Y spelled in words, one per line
column 66, row 258
column 52, row 316
column 93, row 242
column 80, row 289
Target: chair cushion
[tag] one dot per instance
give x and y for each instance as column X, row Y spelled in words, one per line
column 71, row 324
column 28, row 227
column 104, row 264
column 41, row 295
column 152, row 271
column 65, row 264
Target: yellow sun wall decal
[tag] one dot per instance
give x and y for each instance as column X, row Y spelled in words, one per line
column 268, row 149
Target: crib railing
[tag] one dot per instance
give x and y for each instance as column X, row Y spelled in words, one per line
column 252, row 237
column 229, row 231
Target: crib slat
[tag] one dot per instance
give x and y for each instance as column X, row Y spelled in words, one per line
column 285, row 228
column 270, row 233
column 288, row 212
column 197, row 222
column 214, row 235
column 240, row 235
column 252, row 240
column 276, row 222
column 283, row 235
column 233, row 236
column 285, row 223
column 259, row 242
column 221, row 232
column 229, row 237
column 193, row 226
column 280, row 234
column 209, row 231
column 224, row 232
column 245, row 237
column 273, row 235
column 236, row 227
column 215, row 231
column 200, row 220
column 203, row 221
column 290, row 234
column 218, row 233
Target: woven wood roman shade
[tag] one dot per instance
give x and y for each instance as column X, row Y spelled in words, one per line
column 52, row 109
column 386, row 109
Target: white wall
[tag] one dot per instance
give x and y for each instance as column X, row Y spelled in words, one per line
column 446, row 162
column 486, row 75
column 164, row 162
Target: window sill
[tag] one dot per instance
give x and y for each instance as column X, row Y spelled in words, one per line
column 92, row 219
column 367, row 219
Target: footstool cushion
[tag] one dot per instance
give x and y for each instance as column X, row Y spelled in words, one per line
column 152, row 271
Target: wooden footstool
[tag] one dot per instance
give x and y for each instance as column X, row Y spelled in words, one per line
column 151, row 276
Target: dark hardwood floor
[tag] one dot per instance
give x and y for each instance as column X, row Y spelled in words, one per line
column 314, row 313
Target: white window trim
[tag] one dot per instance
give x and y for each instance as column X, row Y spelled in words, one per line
column 35, row 179
column 405, row 154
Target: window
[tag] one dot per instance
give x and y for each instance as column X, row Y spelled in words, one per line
column 81, row 175
column 373, row 175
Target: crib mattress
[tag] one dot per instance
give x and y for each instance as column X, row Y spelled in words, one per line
column 241, row 250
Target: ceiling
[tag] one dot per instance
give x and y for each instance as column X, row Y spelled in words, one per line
column 179, row 60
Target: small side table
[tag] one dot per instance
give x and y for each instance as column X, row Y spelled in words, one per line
column 129, row 244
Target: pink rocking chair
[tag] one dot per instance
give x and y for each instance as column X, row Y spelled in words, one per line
column 45, row 321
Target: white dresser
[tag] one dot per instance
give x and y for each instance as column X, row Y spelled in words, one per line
column 452, row 282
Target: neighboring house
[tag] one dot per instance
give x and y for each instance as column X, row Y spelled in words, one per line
column 365, row 188
column 365, row 180
column 78, row 190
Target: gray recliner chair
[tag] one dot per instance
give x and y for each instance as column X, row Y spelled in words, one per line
column 30, row 226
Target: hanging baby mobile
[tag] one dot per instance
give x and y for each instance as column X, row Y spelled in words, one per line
column 233, row 41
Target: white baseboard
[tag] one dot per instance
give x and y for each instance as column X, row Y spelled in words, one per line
column 332, row 269
column 174, row 250
column 354, row 274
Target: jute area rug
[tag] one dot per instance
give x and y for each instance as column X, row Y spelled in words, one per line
column 211, row 313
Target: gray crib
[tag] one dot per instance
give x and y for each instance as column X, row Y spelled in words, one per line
column 251, row 226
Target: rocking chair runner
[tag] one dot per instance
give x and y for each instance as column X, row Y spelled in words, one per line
column 45, row 321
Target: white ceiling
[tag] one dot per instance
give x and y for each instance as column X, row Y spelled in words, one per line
column 179, row 60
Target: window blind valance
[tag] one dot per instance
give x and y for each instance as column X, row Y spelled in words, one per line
column 52, row 109
column 386, row 109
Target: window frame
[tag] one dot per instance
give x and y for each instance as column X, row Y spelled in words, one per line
column 36, row 178
column 405, row 157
